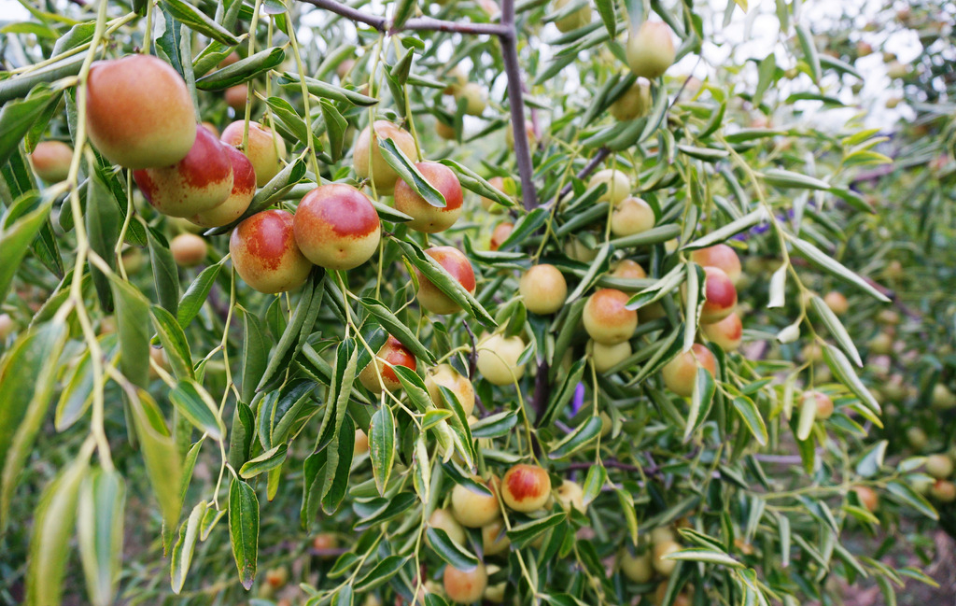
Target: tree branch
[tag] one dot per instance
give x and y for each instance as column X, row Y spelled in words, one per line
column 417, row 24
column 593, row 163
column 509, row 51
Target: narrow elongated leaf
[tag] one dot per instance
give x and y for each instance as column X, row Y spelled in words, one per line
column 193, row 401
column 382, row 446
column 451, row 552
column 165, row 273
column 100, row 533
column 182, row 555
column 15, row 239
column 836, row 329
column 700, row 401
column 242, row 70
column 832, row 266
column 840, row 366
column 27, row 379
column 397, row 329
column 523, row 534
column 174, row 342
column 244, row 530
column 52, row 528
column 708, row 556
column 728, row 231
column 196, row 294
column 578, row 439
column 751, row 417
column 383, row 571
column 255, row 354
column 163, row 466
column 17, row 117
column 199, row 22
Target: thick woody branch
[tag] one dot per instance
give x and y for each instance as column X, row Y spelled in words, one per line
column 509, row 51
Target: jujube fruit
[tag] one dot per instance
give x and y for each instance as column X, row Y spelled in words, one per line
column 637, row 567
column 663, row 566
column 525, row 488
column 632, row 216
column 336, row 226
column 367, row 158
column 575, row 20
column 472, row 509
column 543, row 289
column 475, row 97
column 265, row 149
column 199, row 182
column 680, row 373
column 720, row 256
column 606, row 317
column 606, row 357
column 721, row 296
column 238, row 201
column 444, row 520
column 465, row 587
column 499, row 234
column 570, row 494
column 265, row 254
column 868, row 497
column 634, row 103
column 493, row 538
column 940, row 466
column 726, row 333
column 139, row 113
column 650, row 50
column 392, row 353
column 629, row 270
column 188, row 250
column 836, row 302
column 236, row 97
column 498, row 359
column 618, row 185
column 51, row 160
column 824, row 404
column 444, row 375
column 432, row 298
column 425, row 217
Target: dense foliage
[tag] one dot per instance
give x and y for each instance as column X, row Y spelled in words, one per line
column 672, row 340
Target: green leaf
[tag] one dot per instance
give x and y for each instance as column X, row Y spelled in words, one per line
column 837, row 331
column 766, row 71
column 335, row 126
column 387, row 509
column 17, row 117
column 197, row 21
column 409, row 173
column 910, row 497
column 578, row 439
column 255, row 354
column 165, row 273
column 196, row 294
column 267, row 461
column 700, row 401
column 790, row 179
column 244, row 530
column 708, row 556
column 382, row 446
column 809, row 51
column 193, row 401
column 16, row 237
column 397, row 329
column 132, row 322
column 99, row 529
column 751, row 417
column 77, row 394
column 290, row 81
column 832, row 266
column 103, row 224
column 243, row 70
column 840, row 366
column 523, row 534
column 27, row 380
column 163, row 466
column 174, row 342
column 383, row 571
column 471, row 181
column 182, row 554
column 52, row 528
column 299, row 327
column 728, row 231
column 452, row 553
column 240, row 438
column 440, row 277
column 492, row 426
column 871, row 462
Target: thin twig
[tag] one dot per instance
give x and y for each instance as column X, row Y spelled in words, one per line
column 593, row 163
column 419, row 23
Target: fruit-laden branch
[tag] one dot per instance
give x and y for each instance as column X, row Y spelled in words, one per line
column 593, row 163
column 507, row 36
